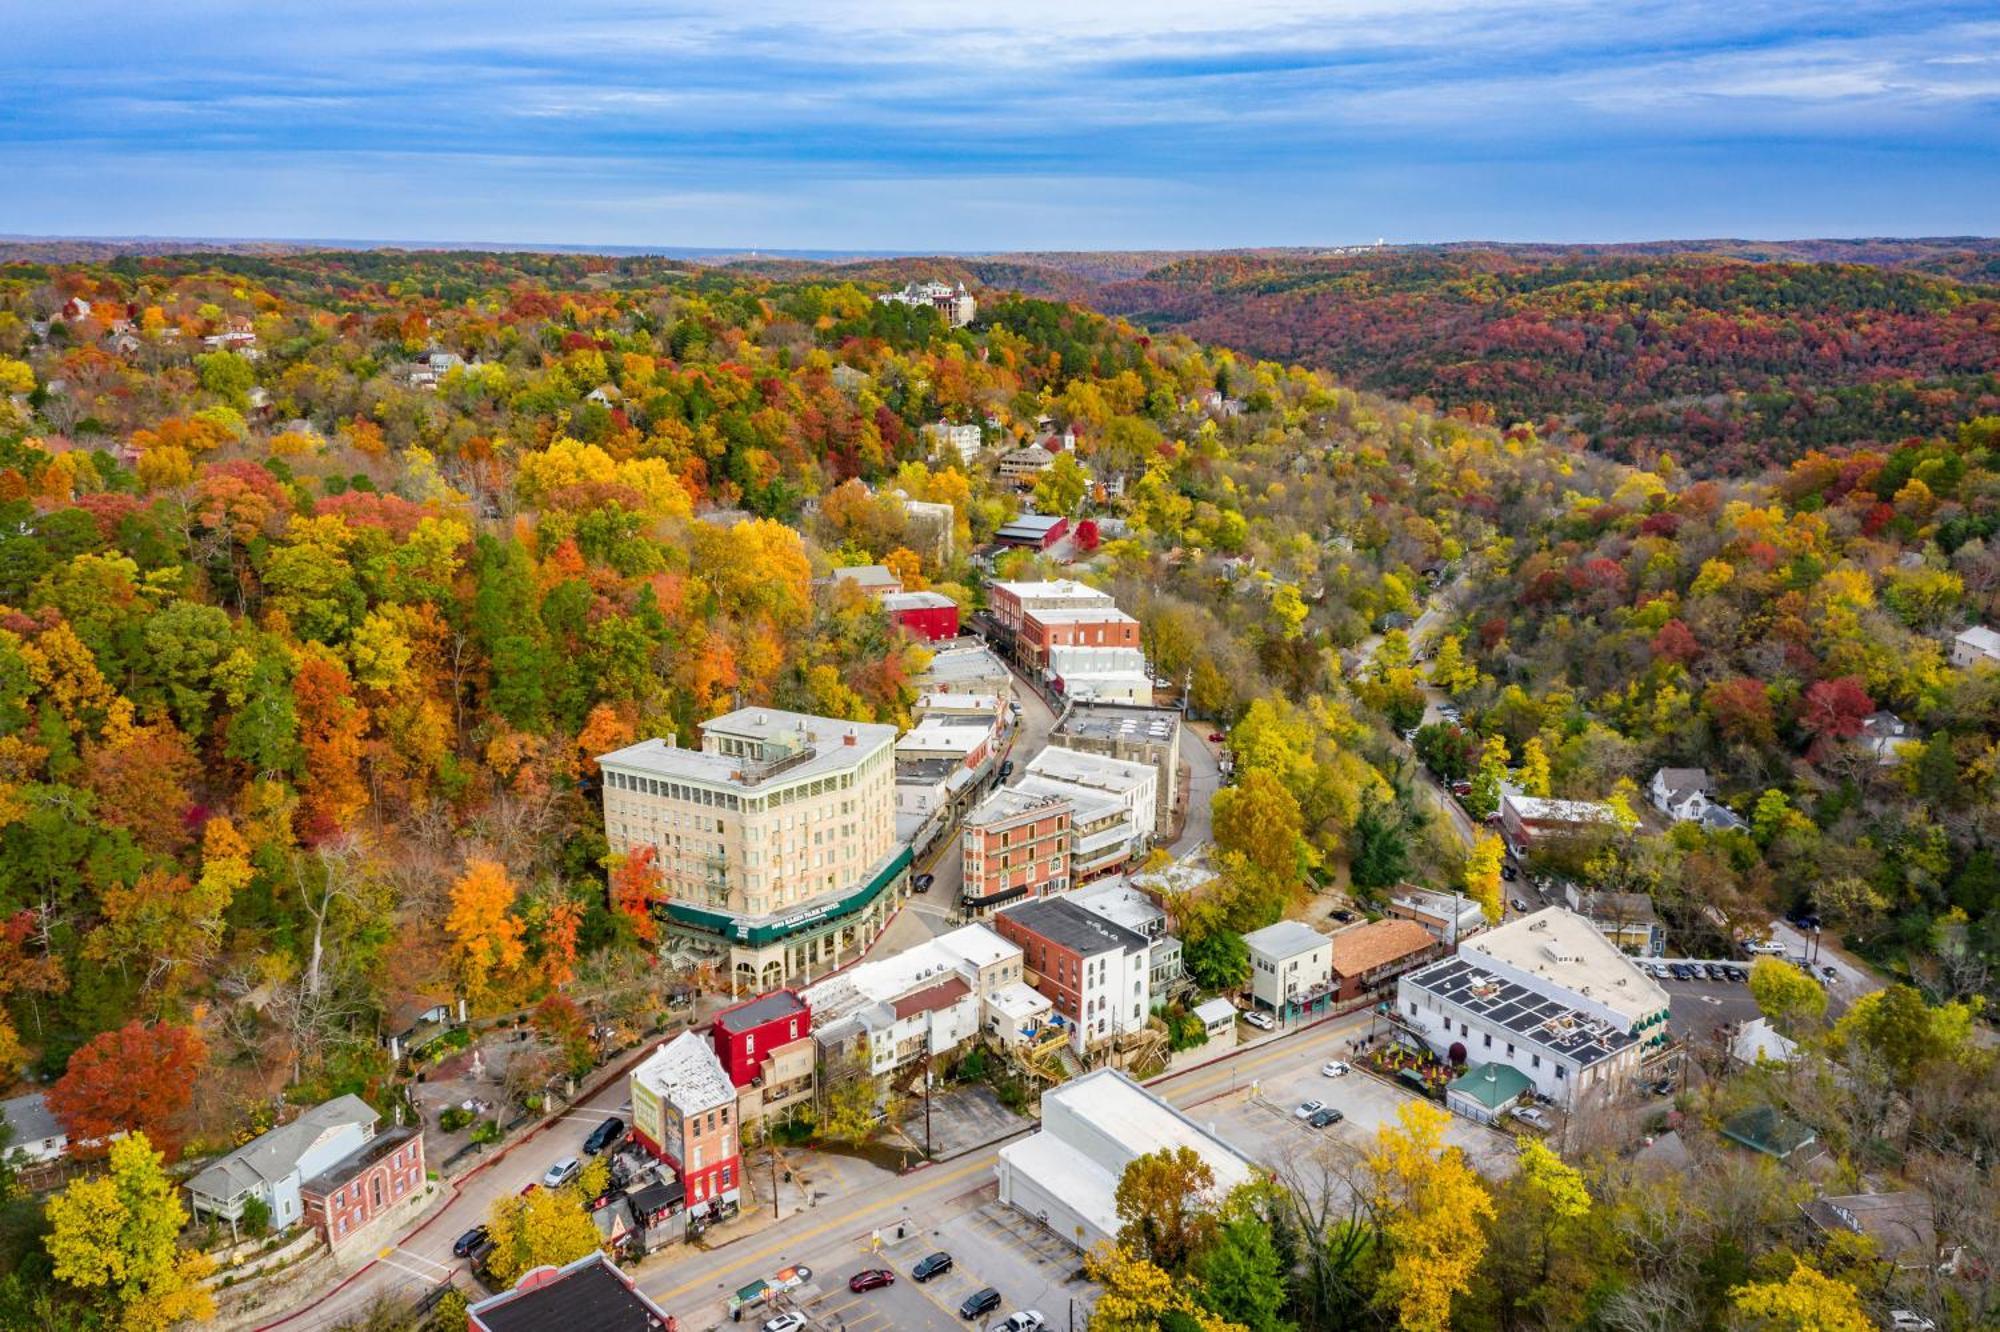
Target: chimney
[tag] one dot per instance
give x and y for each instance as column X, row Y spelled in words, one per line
column 849, row 738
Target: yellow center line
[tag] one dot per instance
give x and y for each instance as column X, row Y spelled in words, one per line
column 928, row 1181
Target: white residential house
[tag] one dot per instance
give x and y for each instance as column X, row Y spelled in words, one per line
column 272, row 1166
column 1884, row 733
column 1975, row 645
column 1686, row 796
column 1291, row 968
column 35, row 1136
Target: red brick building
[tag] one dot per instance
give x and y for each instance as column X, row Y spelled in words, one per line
column 1093, row 626
column 373, row 1179
column 930, row 616
column 1016, row 845
column 684, row 1112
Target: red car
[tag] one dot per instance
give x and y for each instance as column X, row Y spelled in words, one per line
column 868, row 1278
column 1216, row 737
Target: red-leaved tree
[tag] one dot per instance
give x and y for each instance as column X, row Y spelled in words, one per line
column 138, row 1077
column 1834, row 711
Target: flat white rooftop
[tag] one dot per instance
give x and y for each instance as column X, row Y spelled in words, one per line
column 1569, row 952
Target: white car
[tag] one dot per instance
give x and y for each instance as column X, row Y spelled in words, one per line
column 1028, row 1320
column 1333, row 1069
column 1261, row 1021
column 1308, row 1110
column 1528, row 1114
column 785, row 1322
column 562, row 1172
column 1908, row 1320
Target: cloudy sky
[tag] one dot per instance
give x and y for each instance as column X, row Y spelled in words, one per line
column 1036, row 124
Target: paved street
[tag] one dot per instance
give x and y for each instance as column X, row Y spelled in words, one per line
column 1204, row 775
column 940, row 1198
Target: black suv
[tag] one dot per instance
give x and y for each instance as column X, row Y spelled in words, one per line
column 936, row 1265
column 603, row 1136
column 470, row 1240
column 982, row 1301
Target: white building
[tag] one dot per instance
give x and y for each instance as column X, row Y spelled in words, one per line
column 1291, row 967
column 1546, row 995
column 1975, row 645
column 776, row 840
column 1066, row 1175
column 1884, row 734
column 35, row 1136
column 964, row 740
column 960, row 443
column 967, row 670
column 1095, row 972
column 1117, row 901
column 1101, row 674
column 954, row 303
column 273, row 1166
column 925, row 1000
column 1133, row 785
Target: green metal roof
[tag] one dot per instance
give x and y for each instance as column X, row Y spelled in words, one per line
column 757, row 931
column 1768, row 1131
column 1492, row 1085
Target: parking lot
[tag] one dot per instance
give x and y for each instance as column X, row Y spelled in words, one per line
column 1262, row 1124
column 1696, row 1007
column 990, row 1244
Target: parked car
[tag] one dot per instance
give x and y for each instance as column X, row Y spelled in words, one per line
column 1509, row 873
column 1335, row 1068
column 1325, row 1117
column 1342, row 914
column 1461, row 788
column 562, row 1172
column 1216, row 738
column 980, row 1303
column 1909, row 1320
column 1308, row 1109
column 1528, row 1114
column 936, row 1264
column 1830, row 971
column 603, row 1136
column 1715, row 971
column 1028, row 1320
column 869, row 1278
column 1261, row 1021
column 466, row 1243
column 922, row 883
column 785, row 1322
column 1520, row 904
column 1006, row 769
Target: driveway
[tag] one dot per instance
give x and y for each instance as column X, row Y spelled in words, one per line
column 1851, row 978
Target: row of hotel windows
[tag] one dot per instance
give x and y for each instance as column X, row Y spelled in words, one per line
column 702, row 795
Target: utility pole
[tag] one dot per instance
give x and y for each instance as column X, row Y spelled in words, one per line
column 771, row 1147
column 927, row 1109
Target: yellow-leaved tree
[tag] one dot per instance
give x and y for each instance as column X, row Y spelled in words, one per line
column 1430, row 1210
column 544, row 1228
column 1482, row 874
column 1806, row 1301
column 114, row 1235
column 1138, row 1295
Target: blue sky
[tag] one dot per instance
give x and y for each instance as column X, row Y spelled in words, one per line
column 1038, row 124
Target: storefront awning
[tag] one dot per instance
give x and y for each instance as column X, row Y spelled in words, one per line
column 756, row 931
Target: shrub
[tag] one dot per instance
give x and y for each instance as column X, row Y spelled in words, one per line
column 453, row 1118
column 486, row 1130
column 256, row 1216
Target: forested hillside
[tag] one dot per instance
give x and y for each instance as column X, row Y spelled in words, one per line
column 323, row 575
column 1728, row 365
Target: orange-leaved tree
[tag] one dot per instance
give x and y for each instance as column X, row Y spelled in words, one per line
column 485, row 939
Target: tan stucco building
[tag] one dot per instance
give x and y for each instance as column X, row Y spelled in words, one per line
column 776, row 840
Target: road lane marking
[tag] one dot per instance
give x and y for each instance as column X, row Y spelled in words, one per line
column 928, row 1181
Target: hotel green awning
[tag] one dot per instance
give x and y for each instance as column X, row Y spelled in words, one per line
column 756, row 931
